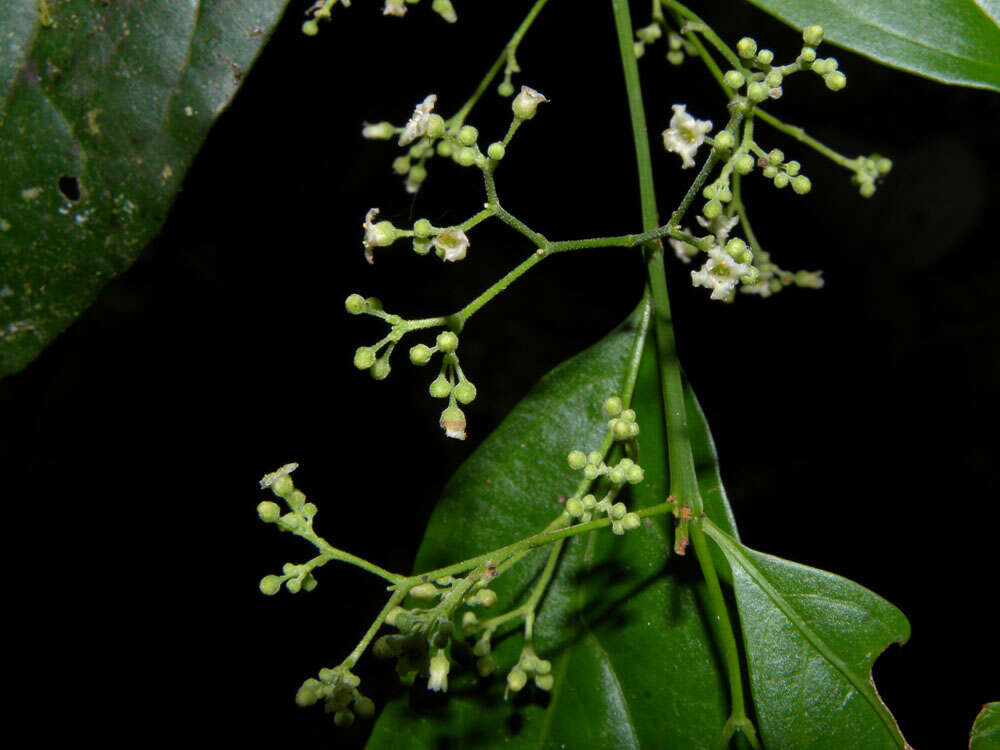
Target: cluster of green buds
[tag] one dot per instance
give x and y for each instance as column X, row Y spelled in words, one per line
column 321, row 10
column 763, row 78
column 868, row 170
column 428, row 640
column 530, row 665
column 451, row 382
column 427, row 134
column 298, row 520
column 337, row 688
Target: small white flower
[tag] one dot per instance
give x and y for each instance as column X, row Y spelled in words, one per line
column 453, row 423
column 394, row 8
column 720, row 273
column 526, row 103
column 439, row 667
column 683, row 250
column 451, row 244
column 378, row 234
column 720, row 226
column 274, row 476
column 685, row 135
column 417, row 124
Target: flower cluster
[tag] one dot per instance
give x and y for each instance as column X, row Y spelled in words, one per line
column 322, row 10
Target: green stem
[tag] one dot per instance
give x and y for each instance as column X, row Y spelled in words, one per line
column 457, row 320
column 681, row 458
column 397, row 596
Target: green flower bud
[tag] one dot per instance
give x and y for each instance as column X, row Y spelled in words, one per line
column 420, row 354
column 781, row 180
column 724, row 194
column 807, row 55
column 746, row 47
column 757, row 92
column 387, row 647
column 883, row 165
column 424, row 592
column 422, row 228
column 468, row 135
column 440, row 387
column 487, row 598
column 465, row 156
column 792, row 168
column 482, row 647
column 744, row 164
column 621, row 430
column 708, row 191
column 812, row 35
column 589, row 501
column 752, row 276
column 776, row 156
column 631, row 521
column 835, row 81
column 618, row 511
column 496, row 151
column 618, row 528
column 435, row 126
column 505, row 89
column 801, row 184
column 867, row 189
column 380, row 369
column 453, row 422
column 447, row 342
column 445, row 149
column 268, row 512
column 305, row 697
column 469, row 623
column 269, row 585
column 577, row 460
column 310, row 27
column 343, row 718
column 613, row 406
column 675, row 57
column 294, row 585
column 770, row 172
column 733, row 79
column 773, row 79
column 485, row 666
column 617, row 475
column 595, row 458
column 364, row 357
column 712, row 209
column 364, row 707
column 574, row 507
column 401, row 164
column 355, row 304
column 525, row 104
column 289, row 521
column 543, row 666
column 516, row 680
column 628, row 415
column 465, row 392
column 765, row 57
column 545, row 682
column 634, row 474
column 590, row 472
column 725, row 140
column 445, row 9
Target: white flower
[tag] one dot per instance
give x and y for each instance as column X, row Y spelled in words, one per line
column 381, row 234
column 720, row 273
column 439, row 667
column 394, row 8
column 720, row 226
column 417, row 124
column 683, row 250
column 453, row 423
column 685, row 135
column 274, row 476
column 451, row 244
column 526, row 103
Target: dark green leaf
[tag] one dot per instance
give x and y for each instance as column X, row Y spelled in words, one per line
column 632, row 655
column 986, row 731
column 953, row 41
column 811, row 639
column 102, row 108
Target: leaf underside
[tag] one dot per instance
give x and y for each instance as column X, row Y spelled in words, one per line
column 632, row 654
column 811, row 638
column 952, row 41
column 102, row 109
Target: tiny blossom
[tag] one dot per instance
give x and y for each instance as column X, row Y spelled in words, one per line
column 379, row 131
column 375, row 235
column 417, row 124
column 683, row 250
column 685, row 135
column 762, row 288
column 439, row 667
column 394, row 8
column 526, row 102
column 453, row 423
column 274, row 476
column 720, row 274
column 720, row 226
column 452, row 244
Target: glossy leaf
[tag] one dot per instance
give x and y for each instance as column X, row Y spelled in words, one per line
column 986, row 731
column 811, row 638
column 952, row 41
column 632, row 655
column 102, row 108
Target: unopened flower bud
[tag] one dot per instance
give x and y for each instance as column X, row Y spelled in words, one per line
column 310, row 27
column 440, row 387
column 613, row 406
column 447, row 342
column 712, row 209
column 305, row 696
column 807, row 55
column 343, row 718
column 516, row 680
column 574, row 507
column 725, row 140
column 525, row 104
column 744, row 164
column 835, row 81
column 781, row 180
column 801, row 184
column 757, row 92
column 468, row 135
column 379, row 131
column 765, row 57
column 465, row 392
column 544, row 681
column 496, row 151
column 453, row 423
column 577, row 460
column 269, row 585
column 634, row 474
column 445, row 9
column 812, row 35
column 631, row 521
column 364, row 357
column 733, row 79
column 420, row 354
column 424, row 592
column 355, row 304
column 364, row 707
column 380, row 369
column 506, row 89
column 746, row 47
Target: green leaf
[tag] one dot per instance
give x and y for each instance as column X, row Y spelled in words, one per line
column 986, row 730
column 952, row 41
column 102, row 108
column 811, row 639
column 632, row 654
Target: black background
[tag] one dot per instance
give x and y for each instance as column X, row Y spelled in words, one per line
column 855, row 425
